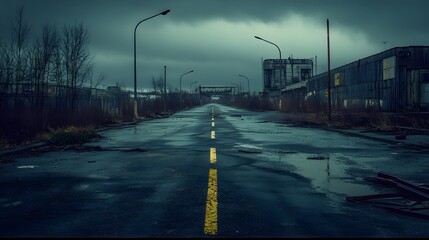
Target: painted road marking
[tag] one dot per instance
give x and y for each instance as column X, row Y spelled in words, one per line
column 212, row 155
column 210, row 224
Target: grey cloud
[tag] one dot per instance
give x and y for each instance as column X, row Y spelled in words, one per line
column 111, row 24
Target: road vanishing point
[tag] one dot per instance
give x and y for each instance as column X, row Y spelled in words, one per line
column 212, row 171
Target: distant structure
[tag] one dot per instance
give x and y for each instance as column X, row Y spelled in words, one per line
column 293, row 71
column 395, row 80
column 114, row 88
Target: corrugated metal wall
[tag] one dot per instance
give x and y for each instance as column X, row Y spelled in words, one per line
column 379, row 82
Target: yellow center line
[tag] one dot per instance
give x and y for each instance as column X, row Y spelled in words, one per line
column 212, row 155
column 210, row 224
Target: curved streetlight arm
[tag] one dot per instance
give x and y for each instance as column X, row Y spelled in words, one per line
column 280, row 53
column 180, row 91
column 248, row 85
column 135, row 56
column 181, row 79
column 161, row 13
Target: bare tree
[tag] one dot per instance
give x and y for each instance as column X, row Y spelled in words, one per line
column 6, row 73
column 50, row 44
column 42, row 61
column 76, row 59
column 170, row 88
column 20, row 33
column 100, row 79
column 154, row 85
column 158, row 84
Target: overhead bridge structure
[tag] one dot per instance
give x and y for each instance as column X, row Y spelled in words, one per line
column 217, row 90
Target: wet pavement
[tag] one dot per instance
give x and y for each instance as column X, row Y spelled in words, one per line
column 152, row 180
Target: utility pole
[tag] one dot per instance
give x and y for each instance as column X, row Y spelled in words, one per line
column 291, row 66
column 165, row 88
column 329, row 74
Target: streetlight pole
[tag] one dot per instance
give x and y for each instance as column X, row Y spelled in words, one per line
column 190, row 86
column 248, row 85
column 135, row 56
column 180, row 93
column 280, row 53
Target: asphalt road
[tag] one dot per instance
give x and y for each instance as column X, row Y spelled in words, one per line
column 210, row 171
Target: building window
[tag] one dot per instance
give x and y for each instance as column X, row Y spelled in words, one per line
column 389, row 68
column 305, row 74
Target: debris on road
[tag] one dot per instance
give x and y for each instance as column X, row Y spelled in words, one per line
column 318, row 158
column 401, row 137
column 287, row 152
column 410, row 199
column 131, row 149
column 249, row 151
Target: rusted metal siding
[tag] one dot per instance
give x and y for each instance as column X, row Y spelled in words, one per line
column 391, row 81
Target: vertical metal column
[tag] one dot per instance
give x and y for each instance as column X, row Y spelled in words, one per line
column 329, row 74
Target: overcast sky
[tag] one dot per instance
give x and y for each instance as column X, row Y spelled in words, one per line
column 216, row 37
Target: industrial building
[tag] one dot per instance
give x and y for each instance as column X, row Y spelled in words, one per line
column 395, row 80
column 292, row 71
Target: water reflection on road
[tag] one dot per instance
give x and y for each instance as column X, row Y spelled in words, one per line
column 346, row 159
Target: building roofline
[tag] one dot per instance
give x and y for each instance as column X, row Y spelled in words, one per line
column 375, row 54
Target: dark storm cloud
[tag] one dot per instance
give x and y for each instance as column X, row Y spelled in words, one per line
column 379, row 19
column 216, row 36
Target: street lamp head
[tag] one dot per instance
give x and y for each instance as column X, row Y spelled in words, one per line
column 258, row 38
column 191, row 71
column 165, row 12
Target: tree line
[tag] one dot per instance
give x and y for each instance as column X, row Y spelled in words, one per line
column 32, row 69
column 42, row 79
column 59, row 57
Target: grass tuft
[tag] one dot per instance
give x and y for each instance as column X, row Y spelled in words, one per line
column 70, row 136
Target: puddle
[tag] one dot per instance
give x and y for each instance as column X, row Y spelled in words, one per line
column 81, row 187
column 97, row 176
column 327, row 175
column 28, row 166
column 14, row 204
column 104, row 195
column 247, row 146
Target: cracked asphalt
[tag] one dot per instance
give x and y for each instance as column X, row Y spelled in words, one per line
column 272, row 180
